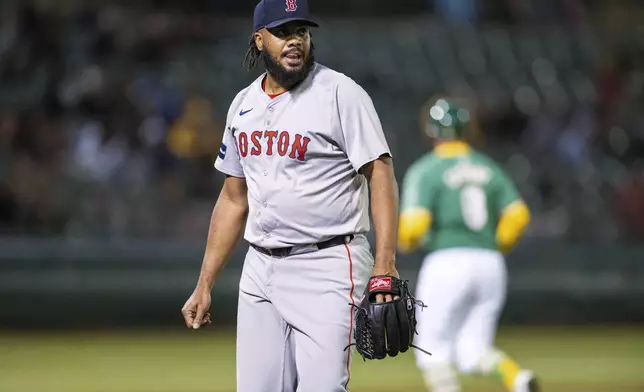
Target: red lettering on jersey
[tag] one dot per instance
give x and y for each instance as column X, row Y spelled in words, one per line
column 270, row 136
column 243, row 144
column 257, row 147
column 282, row 144
column 300, row 145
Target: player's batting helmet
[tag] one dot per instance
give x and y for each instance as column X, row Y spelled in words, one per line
column 448, row 118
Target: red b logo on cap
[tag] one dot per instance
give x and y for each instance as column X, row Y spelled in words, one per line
column 291, row 5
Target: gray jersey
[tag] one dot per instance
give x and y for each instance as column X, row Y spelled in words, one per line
column 300, row 153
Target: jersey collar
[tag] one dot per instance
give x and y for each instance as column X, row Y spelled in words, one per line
column 452, row 149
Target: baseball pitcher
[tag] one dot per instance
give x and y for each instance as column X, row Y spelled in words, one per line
column 301, row 148
column 461, row 207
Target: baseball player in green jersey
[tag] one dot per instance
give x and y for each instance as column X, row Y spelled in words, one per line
column 460, row 206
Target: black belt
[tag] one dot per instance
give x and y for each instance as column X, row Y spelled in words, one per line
column 283, row 252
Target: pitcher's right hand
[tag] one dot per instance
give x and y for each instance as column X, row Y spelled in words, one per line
column 196, row 309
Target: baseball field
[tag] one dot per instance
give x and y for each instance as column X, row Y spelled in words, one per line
column 568, row 359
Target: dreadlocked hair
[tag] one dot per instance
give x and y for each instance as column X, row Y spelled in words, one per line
column 253, row 53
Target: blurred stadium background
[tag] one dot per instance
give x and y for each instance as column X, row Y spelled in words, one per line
column 111, row 114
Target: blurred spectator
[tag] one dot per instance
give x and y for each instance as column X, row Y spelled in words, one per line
column 457, row 10
column 540, row 12
column 8, row 203
column 612, row 86
column 195, row 133
column 628, row 204
column 111, row 114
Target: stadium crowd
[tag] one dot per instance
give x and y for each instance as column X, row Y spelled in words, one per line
column 95, row 140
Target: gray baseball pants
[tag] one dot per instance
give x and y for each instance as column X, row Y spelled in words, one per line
column 295, row 319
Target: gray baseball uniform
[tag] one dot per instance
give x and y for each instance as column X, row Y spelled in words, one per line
column 300, row 154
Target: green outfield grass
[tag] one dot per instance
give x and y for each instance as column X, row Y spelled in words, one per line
column 573, row 359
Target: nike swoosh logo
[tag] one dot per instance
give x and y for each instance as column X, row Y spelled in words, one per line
column 242, row 112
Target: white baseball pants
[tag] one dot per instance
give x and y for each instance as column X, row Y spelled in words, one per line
column 464, row 290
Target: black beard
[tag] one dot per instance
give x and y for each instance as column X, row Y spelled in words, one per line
column 285, row 78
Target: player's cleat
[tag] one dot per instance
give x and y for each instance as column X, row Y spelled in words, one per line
column 526, row 381
column 533, row 385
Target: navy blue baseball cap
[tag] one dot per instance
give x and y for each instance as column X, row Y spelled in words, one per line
column 273, row 13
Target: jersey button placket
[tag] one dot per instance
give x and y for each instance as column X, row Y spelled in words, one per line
column 266, row 158
column 267, row 162
column 269, row 113
column 258, row 221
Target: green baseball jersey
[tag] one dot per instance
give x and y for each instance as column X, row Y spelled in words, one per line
column 466, row 196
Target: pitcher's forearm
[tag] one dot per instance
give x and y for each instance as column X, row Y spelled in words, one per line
column 384, row 210
column 226, row 228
